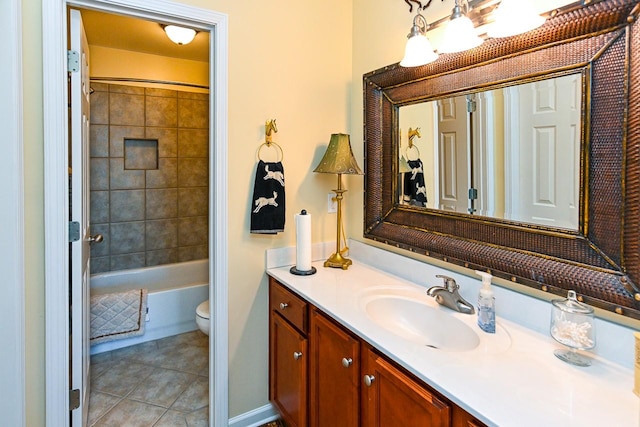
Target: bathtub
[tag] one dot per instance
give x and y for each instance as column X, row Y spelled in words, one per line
column 174, row 292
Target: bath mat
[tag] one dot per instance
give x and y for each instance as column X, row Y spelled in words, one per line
column 118, row 315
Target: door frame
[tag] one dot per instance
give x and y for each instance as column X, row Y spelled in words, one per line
column 12, row 213
column 55, row 101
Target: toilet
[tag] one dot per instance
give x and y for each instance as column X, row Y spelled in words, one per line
column 202, row 317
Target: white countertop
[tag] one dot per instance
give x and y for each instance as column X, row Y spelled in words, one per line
column 512, row 379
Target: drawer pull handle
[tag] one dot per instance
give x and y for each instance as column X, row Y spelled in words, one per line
column 369, row 379
column 297, row 355
column 347, row 362
column 283, row 305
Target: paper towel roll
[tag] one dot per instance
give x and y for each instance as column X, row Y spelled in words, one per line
column 303, row 241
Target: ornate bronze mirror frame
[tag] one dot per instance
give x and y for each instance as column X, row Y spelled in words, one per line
column 601, row 260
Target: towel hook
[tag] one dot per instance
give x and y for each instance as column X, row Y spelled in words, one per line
column 412, row 134
column 269, row 128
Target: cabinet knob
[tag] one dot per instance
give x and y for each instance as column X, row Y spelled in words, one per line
column 283, row 305
column 346, row 362
column 368, row 380
column 297, row 355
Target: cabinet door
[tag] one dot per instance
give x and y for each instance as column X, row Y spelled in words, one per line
column 392, row 398
column 288, row 371
column 334, row 375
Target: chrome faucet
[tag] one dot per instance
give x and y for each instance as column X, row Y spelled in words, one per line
column 448, row 295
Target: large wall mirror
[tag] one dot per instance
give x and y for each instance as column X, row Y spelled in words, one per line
column 521, row 156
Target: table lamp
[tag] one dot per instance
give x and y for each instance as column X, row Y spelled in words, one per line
column 338, row 159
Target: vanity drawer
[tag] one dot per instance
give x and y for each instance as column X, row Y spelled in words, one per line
column 288, row 305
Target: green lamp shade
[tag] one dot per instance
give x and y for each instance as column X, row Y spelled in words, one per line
column 338, row 159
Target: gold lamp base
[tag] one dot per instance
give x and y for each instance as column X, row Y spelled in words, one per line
column 338, row 261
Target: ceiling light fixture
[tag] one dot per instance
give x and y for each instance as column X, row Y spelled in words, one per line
column 418, row 50
column 460, row 34
column 179, row 35
column 514, row 17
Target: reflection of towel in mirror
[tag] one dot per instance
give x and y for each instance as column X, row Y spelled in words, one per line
column 267, row 211
column 414, row 191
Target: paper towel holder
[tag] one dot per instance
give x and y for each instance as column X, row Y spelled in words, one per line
column 295, row 270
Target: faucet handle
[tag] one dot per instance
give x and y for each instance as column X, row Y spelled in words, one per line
column 449, row 282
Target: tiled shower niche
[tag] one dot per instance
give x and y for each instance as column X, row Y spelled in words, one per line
column 149, row 176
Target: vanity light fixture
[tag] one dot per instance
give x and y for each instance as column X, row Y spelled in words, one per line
column 179, row 35
column 338, row 159
column 418, row 50
column 514, row 17
column 459, row 34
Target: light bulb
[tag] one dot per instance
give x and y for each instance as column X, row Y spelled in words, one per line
column 180, row 35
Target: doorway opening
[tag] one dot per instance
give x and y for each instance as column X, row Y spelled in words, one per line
column 56, row 201
column 148, row 192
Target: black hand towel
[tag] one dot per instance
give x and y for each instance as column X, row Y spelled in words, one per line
column 267, row 210
column 414, row 190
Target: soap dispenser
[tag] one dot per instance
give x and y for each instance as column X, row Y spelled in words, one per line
column 486, row 305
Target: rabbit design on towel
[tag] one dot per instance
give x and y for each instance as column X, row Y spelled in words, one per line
column 263, row 201
column 416, row 171
column 277, row 175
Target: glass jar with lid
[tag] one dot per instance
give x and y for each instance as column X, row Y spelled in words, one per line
column 572, row 326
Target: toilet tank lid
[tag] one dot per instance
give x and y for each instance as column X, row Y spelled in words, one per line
column 203, row 309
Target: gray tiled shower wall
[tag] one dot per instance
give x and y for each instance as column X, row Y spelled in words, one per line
column 157, row 213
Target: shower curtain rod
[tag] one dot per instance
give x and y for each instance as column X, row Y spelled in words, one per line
column 162, row 82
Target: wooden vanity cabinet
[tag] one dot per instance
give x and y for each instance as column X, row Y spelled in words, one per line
column 323, row 375
column 288, row 355
column 392, row 398
column 334, row 374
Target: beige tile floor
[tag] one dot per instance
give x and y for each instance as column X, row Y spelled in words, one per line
column 162, row 383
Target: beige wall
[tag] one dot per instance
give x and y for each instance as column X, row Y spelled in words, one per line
column 109, row 62
column 288, row 60
column 34, row 212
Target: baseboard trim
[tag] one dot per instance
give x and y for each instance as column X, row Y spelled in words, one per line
column 255, row 417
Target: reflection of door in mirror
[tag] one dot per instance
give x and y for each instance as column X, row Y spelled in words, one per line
column 453, row 151
column 542, row 152
column 510, row 153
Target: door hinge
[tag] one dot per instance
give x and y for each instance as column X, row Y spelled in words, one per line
column 74, row 231
column 74, row 399
column 73, row 61
column 473, row 194
column 471, row 104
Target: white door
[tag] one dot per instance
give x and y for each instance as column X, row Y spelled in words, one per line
column 548, row 150
column 453, row 154
column 79, row 276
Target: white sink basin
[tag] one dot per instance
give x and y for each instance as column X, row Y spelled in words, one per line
column 419, row 321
